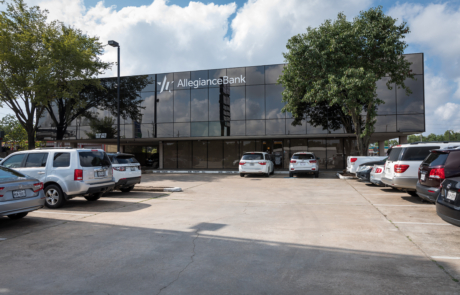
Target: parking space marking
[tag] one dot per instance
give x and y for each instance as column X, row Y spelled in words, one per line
column 421, row 223
column 444, row 257
column 51, row 212
column 2, row 239
column 428, row 205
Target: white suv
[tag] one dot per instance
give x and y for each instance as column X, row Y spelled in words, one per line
column 127, row 171
column 402, row 165
column 66, row 173
column 303, row 162
column 256, row 163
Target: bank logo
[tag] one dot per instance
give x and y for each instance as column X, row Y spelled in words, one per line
column 225, row 80
column 165, row 85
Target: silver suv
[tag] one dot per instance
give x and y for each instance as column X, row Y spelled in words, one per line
column 66, row 173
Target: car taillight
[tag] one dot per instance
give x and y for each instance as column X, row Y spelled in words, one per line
column 353, row 160
column 437, row 173
column 399, row 168
column 1, row 188
column 313, row 161
column 378, row 170
column 120, row 168
column 78, row 175
column 38, row 187
column 262, row 163
column 242, row 163
column 293, row 161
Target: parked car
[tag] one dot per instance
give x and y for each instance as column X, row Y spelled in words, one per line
column 448, row 202
column 256, row 163
column 353, row 162
column 364, row 170
column 302, row 163
column 19, row 194
column 402, row 165
column 127, row 171
column 66, row 173
column 376, row 175
column 437, row 166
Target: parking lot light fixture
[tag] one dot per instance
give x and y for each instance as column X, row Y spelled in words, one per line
column 115, row 44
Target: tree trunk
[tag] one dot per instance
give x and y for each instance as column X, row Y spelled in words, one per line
column 31, row 138
column 60, row 131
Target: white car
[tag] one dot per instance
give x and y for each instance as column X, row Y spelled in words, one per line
column 304, row 162
column 127, row 171
column 402, row 165
column 353, row 162
column 376, row 175
column 256, row 163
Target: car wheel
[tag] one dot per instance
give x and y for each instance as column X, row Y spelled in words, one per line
column 241, row 175
column 127, row 189
column 273, row 171
column 54, row 198
column 93, row 197
column 291, row 174
column 413, row 194
column 17, row 215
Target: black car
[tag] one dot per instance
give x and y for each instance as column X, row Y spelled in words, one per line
column 364, row 170
column 448, row 203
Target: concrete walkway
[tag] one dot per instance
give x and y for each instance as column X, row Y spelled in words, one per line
column 230, row 235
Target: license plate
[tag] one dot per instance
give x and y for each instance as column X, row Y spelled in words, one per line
column 100, row 173
column 303, row 164
column 19, row 193
column 451, row 195
column 133, row 169
column 422, row 177
column 251, row 164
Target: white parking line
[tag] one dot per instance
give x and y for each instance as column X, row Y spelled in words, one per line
column 401, row 205
column 421, row 223
column 444, row 257
column 52, row 212
column 2, row 239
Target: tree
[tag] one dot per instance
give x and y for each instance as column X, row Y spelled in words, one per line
column 42, row 61
column 339, row 63
column 105, row 125
column 14, row 132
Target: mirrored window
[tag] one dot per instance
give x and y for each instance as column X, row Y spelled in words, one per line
column 255, row 127
column 199, row 105
column 335, row 156
column 413, row 103
column 219, row 128
column 200, row 154
column 182, row 106
column 255, row 102
column 237, row 128
column 199, row 129
column 165, row 130
column 184, row 154
column 200, row 79
column 148, row 113
column 231, row 154
column 215, row 154
column 150, row 84
column 237, row 103
column 181, row 129
column 182, row 80
column 335, row 125
column 413, row 123
column 318, row 147
column 170, row 155
column 385, row 124
column 215, row 75
column 255, row 75
column 272, row 73
column 275, row 126
column 388, row 96
column 274, row 101
column 300, row 129
column 129, row 130
column 165, row 82
column 214, row 104
column 236, row 77
column 312, row 128
column 147, row 131
column 417, row 62
column 165, row 107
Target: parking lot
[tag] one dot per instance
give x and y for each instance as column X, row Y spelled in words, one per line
column 230, row 235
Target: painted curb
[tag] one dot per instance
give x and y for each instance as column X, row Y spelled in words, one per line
column 344, row 177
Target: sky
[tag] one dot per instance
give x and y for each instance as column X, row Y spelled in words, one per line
column 178, row 35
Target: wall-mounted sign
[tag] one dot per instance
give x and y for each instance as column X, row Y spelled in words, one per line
column 101, row 135
column 225, row 80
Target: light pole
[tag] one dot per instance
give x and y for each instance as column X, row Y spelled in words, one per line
column 115, row 44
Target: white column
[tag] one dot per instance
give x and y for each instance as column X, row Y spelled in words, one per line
column 403, row 139
column 382, row 148
column 160, row 156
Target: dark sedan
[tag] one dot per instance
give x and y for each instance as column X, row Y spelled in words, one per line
column 364, row 170
column 19, row 194
column 448, row 203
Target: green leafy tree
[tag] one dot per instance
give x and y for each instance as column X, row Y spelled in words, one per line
column 15, row 134
column 104, row 125
column 339, row 63
column 42, row 61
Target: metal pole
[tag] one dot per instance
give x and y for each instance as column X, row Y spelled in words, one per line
column 118, row 101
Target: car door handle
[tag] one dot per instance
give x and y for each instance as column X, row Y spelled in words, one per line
column 41, row 173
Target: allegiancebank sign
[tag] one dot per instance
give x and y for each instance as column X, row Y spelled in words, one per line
column 202, row 82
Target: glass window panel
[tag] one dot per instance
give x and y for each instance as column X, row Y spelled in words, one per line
column 221, row 128
column 272, row 73
column 200, row 79
column 335, row 158
column 236, row 76
column 300, row 129
column 417, row 63
column 129, row 130
column 350, row 147
column 199, row 129
column 181, row 129
column 255, row 102
column 335, row 125
column 388, row 96
column 237, row 103
column 311, row 129
column 148, row 113
column 318, row 147
column 412, row 104
column 165, row 83
column 200, row 154
column 83, row 132
column 247, row 146
column 214, row 104
column 182, row 106
column 184, row 154
column 255, row 127
column 148, row 131
column 298, row 145
column 165, row 106
column 273, row 100
column 170, row 155
column 215, row 154
column 199, row 105
column 165, row 130
column 151, row 84
column 413, row 123
column 231, row 154
column 215, row 75
column 275, row 126
column 71, row 132
column 255, row 75
column 385, row 124
column 181, row 80
column 237, row 128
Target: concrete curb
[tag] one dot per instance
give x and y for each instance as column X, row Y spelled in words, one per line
column 345, row 177
column 156, row 189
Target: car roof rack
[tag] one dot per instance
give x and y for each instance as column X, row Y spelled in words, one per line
column 54, row 148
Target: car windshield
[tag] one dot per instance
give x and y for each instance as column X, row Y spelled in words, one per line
column 6, row 173
column 435, row 159
column 254, row 156
column 303, row 157
column 93, row 159
column 124, row 160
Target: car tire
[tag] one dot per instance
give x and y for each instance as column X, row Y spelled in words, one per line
column 54, row 197
column 17, row 215
column 93, row 197
column 316, row 174
column 241, row 175
column 291, row 174
column 413, row 194
column 273, row 171
column 127, row 189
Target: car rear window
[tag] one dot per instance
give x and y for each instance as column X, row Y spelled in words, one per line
column 124, row 160
column 303, row 157
column 435, row 159
column 250, row 157
column 6, row 173
column 417, row 153
column 93, row 159
column 394, row 154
